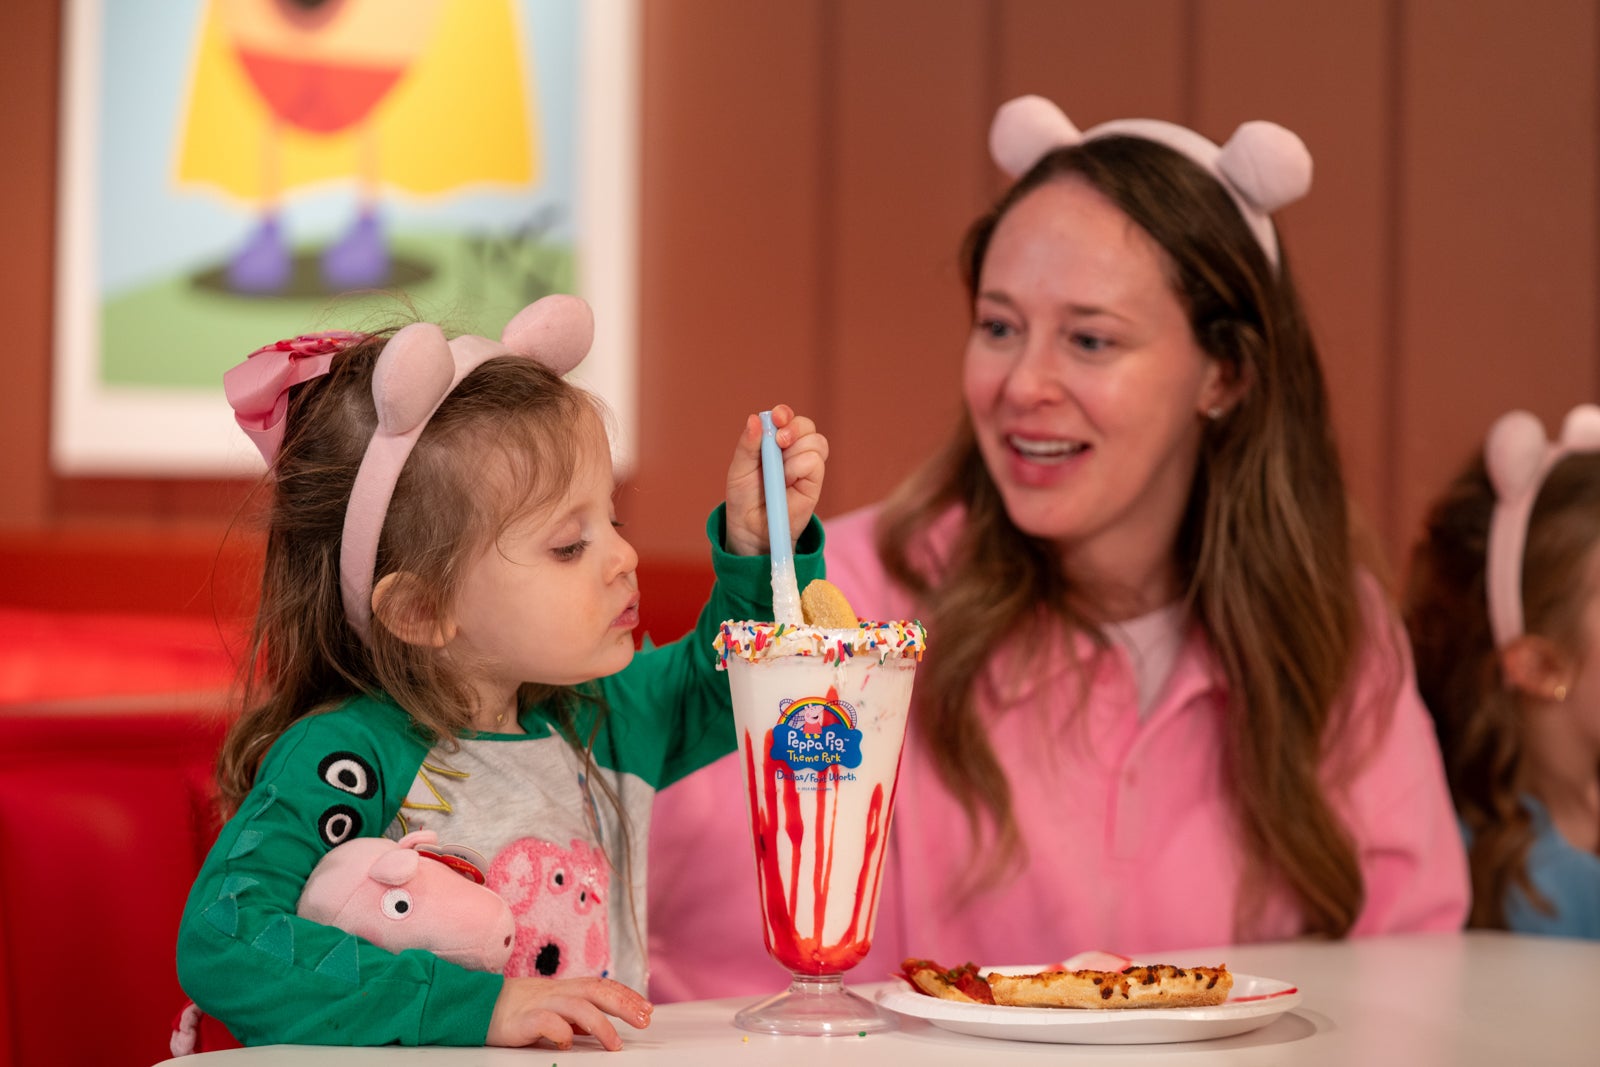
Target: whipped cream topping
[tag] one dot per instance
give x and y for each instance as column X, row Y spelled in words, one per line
column 756, row 641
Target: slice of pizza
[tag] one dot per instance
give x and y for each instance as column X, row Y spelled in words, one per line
column 958, row 983
column 1159, row 985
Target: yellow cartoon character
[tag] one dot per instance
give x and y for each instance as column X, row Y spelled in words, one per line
column 419, row 96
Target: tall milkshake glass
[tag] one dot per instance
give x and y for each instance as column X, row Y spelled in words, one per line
column 821, row 717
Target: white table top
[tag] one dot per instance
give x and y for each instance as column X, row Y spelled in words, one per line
column 1446, row 999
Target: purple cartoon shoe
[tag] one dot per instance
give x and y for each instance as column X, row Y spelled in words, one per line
column 263, row 265
column 359, row 259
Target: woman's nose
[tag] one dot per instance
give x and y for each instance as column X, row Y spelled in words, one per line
column 1037, row 375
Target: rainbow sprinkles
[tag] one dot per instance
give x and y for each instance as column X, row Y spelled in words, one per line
column 755, row 641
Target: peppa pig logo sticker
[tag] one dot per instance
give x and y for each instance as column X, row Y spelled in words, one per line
column 814, row 733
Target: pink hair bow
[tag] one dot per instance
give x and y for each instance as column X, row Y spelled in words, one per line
column 258, row 388
column 1518, row 458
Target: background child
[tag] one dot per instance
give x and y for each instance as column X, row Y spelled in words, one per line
column 1504, row 611
column 444, row 583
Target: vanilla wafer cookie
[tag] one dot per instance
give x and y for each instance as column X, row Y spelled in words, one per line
column 823, row 605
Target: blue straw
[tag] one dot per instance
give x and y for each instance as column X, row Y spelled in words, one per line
column 785, row 591
column 777, row 497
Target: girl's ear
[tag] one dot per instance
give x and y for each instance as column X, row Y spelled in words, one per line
column 400, row 603
column 1537, row 667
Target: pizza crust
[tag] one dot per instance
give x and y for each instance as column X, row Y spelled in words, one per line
column 1153, row 986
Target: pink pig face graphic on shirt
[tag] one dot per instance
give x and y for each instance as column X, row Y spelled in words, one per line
column 558, row 898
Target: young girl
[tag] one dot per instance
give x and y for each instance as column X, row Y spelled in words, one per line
column 445, row 643
column 1504, row 610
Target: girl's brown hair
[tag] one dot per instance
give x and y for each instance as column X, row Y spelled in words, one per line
column 1264, row 547
column 1475, row 711
column 503, row 443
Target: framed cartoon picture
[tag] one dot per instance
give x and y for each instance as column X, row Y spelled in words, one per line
column 238, row 171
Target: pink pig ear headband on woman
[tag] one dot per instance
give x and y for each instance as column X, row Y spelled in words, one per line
column 1518, row 459
column 1263, row 166
column 416, row 370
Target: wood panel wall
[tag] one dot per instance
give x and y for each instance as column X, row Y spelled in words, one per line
column 808, row 169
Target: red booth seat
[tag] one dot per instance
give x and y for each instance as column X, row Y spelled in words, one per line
column 105, row 815
column 109, row 727
column 65, row 655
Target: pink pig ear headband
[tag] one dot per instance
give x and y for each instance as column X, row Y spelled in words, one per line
column 416, row 370
column 1518, row 459
column 1263, row 166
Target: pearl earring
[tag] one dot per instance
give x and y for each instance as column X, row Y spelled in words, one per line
column 1559, row 694
column 1215, row 412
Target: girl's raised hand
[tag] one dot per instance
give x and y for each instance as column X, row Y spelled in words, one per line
column 805, row 456
column 553, row 1009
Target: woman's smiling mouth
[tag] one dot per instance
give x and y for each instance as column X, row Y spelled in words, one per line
column 1044, row 449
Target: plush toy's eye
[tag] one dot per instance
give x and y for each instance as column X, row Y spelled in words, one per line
column 558, row 880
column 396, row 904
column 339, row 823
column 348, row 773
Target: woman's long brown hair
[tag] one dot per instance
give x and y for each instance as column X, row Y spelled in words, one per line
column 1264, row 547
column 1477, row 714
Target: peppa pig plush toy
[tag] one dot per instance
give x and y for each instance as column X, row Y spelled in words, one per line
column 398, row 895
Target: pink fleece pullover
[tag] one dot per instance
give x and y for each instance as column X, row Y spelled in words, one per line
column 1131, row 845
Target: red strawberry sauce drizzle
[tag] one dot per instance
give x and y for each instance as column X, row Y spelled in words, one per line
column 800, row 953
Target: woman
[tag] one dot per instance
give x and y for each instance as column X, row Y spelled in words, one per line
column 1160, row 698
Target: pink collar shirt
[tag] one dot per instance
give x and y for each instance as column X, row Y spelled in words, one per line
column 1130, row 841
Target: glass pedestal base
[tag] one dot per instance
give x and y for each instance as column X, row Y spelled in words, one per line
column 817, row 1006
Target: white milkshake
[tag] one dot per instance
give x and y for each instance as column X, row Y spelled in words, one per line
column 821, row 717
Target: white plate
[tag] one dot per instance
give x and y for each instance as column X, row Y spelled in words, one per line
column 1253, row 1003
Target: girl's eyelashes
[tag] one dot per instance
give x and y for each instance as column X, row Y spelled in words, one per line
column 581, row 538
column 566, row 553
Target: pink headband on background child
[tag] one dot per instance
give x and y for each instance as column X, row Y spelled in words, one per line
column 415, row 371
column 1263, row 166
column 1518, row 459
